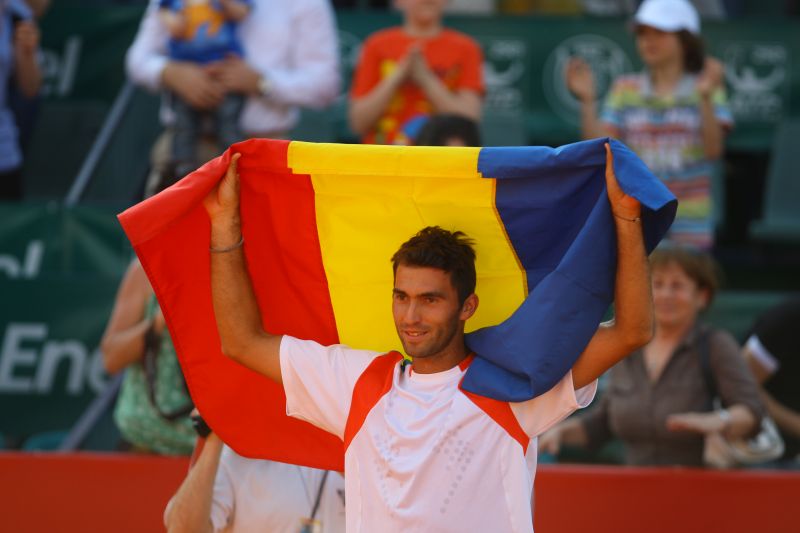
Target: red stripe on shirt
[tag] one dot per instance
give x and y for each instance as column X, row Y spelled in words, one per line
column 372, row 385
column 498, row 411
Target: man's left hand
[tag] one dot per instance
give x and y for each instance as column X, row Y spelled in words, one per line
column 622, row 205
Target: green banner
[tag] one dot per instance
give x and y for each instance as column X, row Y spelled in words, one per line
column 59, row 272
column 83, row 50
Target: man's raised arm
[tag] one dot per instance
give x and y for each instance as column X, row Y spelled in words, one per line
column 238, row 318
column 632, row 326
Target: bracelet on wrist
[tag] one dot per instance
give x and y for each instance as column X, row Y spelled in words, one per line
column 226, row 248
column 637, row 219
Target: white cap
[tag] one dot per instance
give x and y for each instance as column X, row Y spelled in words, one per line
column 668, row 15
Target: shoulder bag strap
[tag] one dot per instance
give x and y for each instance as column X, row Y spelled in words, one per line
column 704, row 351
column 152, row 345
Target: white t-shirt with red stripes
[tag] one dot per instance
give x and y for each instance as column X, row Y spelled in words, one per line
column 422, row 455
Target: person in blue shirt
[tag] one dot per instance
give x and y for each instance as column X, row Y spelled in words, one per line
column 204, row 32
column 19, row 43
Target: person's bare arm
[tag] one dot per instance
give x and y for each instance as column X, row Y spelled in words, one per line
column 26, row 68
column 365, row 111
column 788, row 420
column 739, row 422
column 123, row 340
column 235, row 306
column 713, row 133
column 189, row 510
column 580, row 81
column 632, row 326
column 465, row 102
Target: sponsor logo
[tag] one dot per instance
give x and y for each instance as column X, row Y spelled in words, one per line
column 30, row 363
column 606, row 58
column 27, row 267
column 503, row 70
column 58, row 69
column 758, row 77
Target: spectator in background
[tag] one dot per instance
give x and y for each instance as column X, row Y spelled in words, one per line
column 26, row 108
column 771, row 352
column 449, row 130
column 409, row 72
column 290, row 60
column 19, row 43
column 152, row 411
column 674, row 115
column 203, row 32
column 227, row 492
column 657, row 401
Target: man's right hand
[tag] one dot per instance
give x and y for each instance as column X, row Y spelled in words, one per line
column 222, row 203
column 193, row 84
column 222, row 206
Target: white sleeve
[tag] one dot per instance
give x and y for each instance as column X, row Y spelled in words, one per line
column 222, row 500
column 312, row 79
column 767, row 361
column 319, row 380
column 541, row 413
column 146, row 57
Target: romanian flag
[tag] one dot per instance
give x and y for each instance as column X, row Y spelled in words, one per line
column 320, row 223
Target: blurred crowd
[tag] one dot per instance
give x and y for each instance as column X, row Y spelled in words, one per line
column 235, row 69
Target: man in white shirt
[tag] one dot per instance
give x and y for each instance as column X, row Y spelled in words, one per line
column 227, row 492
column 421, row 454
column 291, row 60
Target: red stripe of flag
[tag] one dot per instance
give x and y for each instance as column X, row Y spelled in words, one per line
column 247, row 410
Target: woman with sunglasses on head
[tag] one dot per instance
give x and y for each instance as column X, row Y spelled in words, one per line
column 673, row 114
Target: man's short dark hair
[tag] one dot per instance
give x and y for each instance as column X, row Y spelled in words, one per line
column 441, row 128
column 450, row 251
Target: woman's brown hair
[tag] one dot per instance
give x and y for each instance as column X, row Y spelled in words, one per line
column 694, row 51
column 698, row 265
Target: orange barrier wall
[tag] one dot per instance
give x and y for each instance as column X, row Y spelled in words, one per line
column 593, row 499
column 90, row 493
column 86, row 493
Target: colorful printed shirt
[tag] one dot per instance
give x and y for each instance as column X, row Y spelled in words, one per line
column 209, row 34
column 455, row 58
column 665, row 131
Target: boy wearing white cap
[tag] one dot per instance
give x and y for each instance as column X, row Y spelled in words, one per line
column 674, row 114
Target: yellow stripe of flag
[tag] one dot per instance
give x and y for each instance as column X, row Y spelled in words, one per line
column 394, row 194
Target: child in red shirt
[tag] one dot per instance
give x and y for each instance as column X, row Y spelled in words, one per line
column 409, row 72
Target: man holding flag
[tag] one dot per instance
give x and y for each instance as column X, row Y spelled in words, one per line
column 421, row 453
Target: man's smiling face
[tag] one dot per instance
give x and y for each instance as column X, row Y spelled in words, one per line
column 426, row 310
